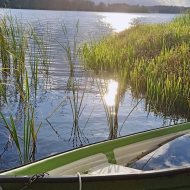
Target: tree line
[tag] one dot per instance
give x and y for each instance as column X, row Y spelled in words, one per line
column 87, row 5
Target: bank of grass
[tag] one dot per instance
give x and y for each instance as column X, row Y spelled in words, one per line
column 155, row 60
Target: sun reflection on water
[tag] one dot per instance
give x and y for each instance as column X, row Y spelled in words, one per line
column 112, row 90
column 120, row 21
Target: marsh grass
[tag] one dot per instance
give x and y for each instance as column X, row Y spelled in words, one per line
column 155, row 61
column 26, row 141
column 41, row 47
column 13, row 46
column 22, row 52
column 23, row 55
column 39, row 59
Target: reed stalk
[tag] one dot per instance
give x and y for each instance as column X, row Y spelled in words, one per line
column 25, row 144
column 19, row 74
column 75, row 93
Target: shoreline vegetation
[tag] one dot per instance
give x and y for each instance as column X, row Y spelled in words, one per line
column 87, row 5
column 152, row 60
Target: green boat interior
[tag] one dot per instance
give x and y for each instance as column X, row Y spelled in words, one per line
column 99, row 164
column 106, row 158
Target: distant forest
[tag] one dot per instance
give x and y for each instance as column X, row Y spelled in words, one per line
column 86, row 5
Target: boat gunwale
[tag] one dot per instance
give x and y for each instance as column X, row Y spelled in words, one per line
column 186, row 124
column 85, row 178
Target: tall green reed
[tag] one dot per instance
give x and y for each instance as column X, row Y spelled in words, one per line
column 22, row 53
column 25, row 141
column 25, row 144
column 14, row 46
column 76, row 85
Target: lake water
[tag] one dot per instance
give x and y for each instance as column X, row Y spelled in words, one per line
column 52, row 108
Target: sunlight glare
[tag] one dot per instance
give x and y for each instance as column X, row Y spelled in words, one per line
column 119, row 21
column 110, row 96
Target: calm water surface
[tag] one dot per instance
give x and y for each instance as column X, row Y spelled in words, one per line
column 56, row 134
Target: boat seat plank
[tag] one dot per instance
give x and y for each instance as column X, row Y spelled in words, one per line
column 81, row 166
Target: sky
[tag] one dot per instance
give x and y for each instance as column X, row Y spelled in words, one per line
column 185, row 3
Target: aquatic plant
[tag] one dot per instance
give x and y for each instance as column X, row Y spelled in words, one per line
column 13, row 46
column 155, row 61
column 25, row 144
column 24, row 55
column 76, row 85
column 22, row 52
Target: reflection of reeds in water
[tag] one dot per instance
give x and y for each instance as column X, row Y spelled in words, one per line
column 76, row 86
column 110, row 96
column 112, row 93
column 76, row 98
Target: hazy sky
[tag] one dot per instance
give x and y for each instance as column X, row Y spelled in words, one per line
column 149, row 2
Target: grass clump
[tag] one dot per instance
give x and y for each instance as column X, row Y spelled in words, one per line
column 23, row 56
column 155, row 61
column 25, row 141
